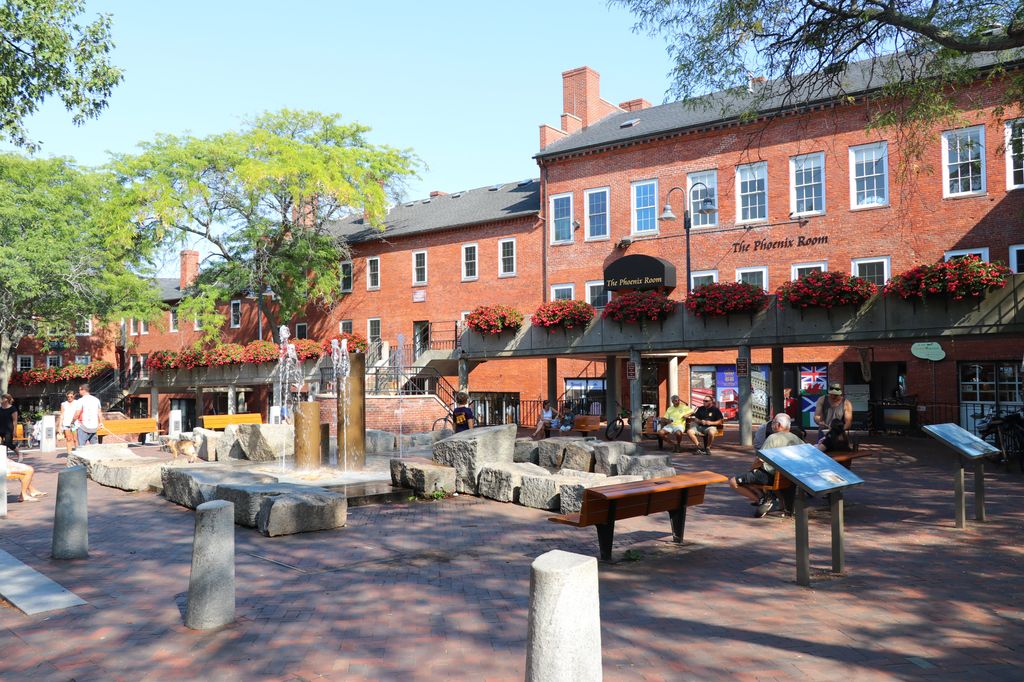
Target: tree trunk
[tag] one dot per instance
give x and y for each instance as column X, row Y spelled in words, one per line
column 8, row 348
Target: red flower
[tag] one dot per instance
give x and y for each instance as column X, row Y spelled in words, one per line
column 723, row 298
column 635, row 306
column 565, row 314
column 957, row 278
column 356, row 342
column 820, row 289
column 494, row 319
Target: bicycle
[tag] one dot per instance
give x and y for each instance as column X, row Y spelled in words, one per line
column 445, row 422
column 615, row 427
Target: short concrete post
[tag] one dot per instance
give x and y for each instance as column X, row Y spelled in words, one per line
column 49, row 440
column 3, row 482
column 71, row 517
column 564, row 638
column 211, row 586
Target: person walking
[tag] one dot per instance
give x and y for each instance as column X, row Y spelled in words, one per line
column 89, row 416
column 8, row 422
column 67, row 421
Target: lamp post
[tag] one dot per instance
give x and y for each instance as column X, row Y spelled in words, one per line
column 267, row 291
column 706, row 207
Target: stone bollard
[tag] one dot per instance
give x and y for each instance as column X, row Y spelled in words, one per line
column 211, row 586
column 3, row 482
column 564, row 638
column 71, row 517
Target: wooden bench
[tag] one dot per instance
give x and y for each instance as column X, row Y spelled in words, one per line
column 587, row 423
column 219, row 421
column 120, row 427
column 604, row 505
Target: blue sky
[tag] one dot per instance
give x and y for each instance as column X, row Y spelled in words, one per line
column 463, row 84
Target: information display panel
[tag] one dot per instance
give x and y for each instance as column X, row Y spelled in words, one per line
column 810, row 468
column 961, row 440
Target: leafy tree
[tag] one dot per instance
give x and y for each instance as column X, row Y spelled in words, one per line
column 803, row 49
column 44, row 51
column 59, row 262
column 262, row 200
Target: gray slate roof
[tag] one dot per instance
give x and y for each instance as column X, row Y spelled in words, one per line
column 728, row 105
column 169, row 287
column 459, row 209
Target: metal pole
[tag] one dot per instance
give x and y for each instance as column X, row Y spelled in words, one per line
column 958, row 492
column 746, row 401
column 259, row 316
column 686, row 228
column 803, row 554
column 979, row 490
column 838, row 531
column 635, row 398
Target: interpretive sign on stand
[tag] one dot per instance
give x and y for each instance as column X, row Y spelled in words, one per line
column 971, row 448
column 814, row 473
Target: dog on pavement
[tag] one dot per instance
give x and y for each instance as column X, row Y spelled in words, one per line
column 183, row 448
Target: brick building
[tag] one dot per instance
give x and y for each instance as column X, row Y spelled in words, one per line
column 799, row 188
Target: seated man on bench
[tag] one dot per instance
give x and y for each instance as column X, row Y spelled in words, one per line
column 673, row 424
column 763, row 473
column 707, row 422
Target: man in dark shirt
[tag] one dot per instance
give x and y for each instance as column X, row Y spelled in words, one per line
column 705, row 422
column 462, row 416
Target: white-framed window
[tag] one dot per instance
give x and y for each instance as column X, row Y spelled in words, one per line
column 507, row 258
column 54, row 360
column 1017, row 258
column 84, row 327
column 301, row 330
column 699, row 278
column 143, row 327
column 869, row 175
column 875, row 270
column 346, row 276
column 752, row 192
column 419, row 268
column 83, row 359
column 373, row 329
column 25, row 362
column 373, row 273
column 561, row 218
column 470, row 271
column 798, row 270
column 172, row 320
column 143, row 365
column 597, row 295
column 464, row 314
column 807, row 184
column 645, row 206
column 196, row 324
column 236, row 314
column 563, row 292
column 345, row 327
column 758, row 276
column 596, row 203
column 698, row 194
column 1015, row 153
column 981, row 252
column 963, row 162
column 133, row 326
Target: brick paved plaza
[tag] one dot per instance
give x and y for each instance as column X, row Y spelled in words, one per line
column 439, row 590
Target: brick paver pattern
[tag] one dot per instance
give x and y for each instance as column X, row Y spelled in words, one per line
column 440, row 590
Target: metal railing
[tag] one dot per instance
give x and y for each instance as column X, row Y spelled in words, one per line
column 529, row 410
column 409, row 380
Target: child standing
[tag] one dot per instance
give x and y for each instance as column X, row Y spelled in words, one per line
column 462, row 416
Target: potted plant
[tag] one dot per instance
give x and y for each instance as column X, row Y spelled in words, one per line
column 725, row 298
column 636, row 307
column 494, row 319
column 563, row 314
column 958, row 278
column 820, row 289
column 257, row 352
column 356, row 342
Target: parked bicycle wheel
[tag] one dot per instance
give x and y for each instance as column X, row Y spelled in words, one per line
column 614, row 429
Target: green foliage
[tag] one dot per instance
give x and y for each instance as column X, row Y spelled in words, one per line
column 439, row 494
column 804, row 51
column 632, row 555
column 59, row 262
column 44, row 52
column 263, row 200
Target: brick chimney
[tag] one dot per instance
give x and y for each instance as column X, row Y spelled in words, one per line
column 635, row 104
column 581, row 104
column 189, row 268
column 438, row 193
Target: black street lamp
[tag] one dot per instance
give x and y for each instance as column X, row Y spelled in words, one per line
column 706, row 206
column 259, row 307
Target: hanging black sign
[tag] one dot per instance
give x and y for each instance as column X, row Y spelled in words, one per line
column 639, row 272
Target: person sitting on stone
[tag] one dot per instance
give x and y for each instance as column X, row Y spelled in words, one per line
column 673, row 424
column 836, row 439
column 763, row 473
column 706, row 422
